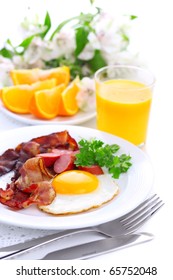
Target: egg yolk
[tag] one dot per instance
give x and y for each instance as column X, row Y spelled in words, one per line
column 75, row 182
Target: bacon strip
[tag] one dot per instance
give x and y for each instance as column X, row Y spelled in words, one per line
column 33, row 186
column 32, row 171
column 32, row 180
column 13, row 159
column 7, row 161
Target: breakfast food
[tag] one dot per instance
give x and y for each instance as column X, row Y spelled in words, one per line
column 30, row 76
column 78, row 191
column 54, row 172
column 45, row 94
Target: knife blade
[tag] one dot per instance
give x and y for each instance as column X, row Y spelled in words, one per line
column 95, row 248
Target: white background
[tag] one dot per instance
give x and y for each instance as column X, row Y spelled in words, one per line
column 152, row 36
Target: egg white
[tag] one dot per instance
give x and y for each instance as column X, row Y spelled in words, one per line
column 71, row 204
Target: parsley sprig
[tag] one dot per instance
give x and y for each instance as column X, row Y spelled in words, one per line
column 97, row 152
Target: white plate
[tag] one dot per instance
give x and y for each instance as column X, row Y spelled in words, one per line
column 134, row 185
column 79, row 118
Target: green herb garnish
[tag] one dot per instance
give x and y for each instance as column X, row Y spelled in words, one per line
column 96, row 152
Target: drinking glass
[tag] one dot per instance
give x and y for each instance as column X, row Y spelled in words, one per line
column 123, row 101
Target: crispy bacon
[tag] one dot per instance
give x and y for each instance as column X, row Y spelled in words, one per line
column 42, row 195
column 17, row 198
column 33, row 186
column 7, row 161
column 13, row 159
column 31, row 182
column 32, row 171
column 60, row 140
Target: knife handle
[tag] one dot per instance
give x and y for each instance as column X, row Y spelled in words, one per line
column 17, row 253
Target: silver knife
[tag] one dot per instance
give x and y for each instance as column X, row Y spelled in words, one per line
column 96, row 248
column 99, row 247
column 82, row 251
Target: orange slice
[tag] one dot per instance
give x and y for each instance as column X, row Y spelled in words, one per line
column 68, row 104
column 45, row 84
column 24, row 76
column 17, row 98
column 61, row 74
column 30, row 76
column 45, row 103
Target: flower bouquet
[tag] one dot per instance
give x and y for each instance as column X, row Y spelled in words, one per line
column 84, row 43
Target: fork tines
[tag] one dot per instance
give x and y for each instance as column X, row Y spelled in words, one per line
column 137, row 217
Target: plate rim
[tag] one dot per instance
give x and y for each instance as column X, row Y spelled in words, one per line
column 36, row 224
column 74, row 121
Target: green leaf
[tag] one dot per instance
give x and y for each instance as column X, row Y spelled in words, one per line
column 6, row 53
column 9, row 43
column 47, row 20
column 26, row 42
column 125, row 37
column 47, row 24
column 24, row 45
column 97, row 61
column 81, row 39
column 115, row 171
column 132, row 17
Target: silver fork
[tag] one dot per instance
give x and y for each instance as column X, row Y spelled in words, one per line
column 122, row 226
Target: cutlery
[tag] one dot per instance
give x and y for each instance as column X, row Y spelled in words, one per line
column 86, row 250
column 99, row 247
column 122, row 226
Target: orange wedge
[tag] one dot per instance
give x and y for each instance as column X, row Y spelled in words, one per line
column 30, row 76
column 45, row 84
column 45, row 103
column 61, row 74
column 68, row 104
column 24, row 76
column 17, row 98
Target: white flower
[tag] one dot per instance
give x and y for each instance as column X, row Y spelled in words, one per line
column 19, row 62
column 86, row 95
column 35, row 50
column 109, row 35
column 63, row 44
column 31, row 26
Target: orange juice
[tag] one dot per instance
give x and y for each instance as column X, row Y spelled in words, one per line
column 123, row 108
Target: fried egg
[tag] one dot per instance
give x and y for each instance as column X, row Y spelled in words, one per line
column 78, row 191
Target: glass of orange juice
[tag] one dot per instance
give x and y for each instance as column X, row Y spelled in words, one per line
column 123, row 101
